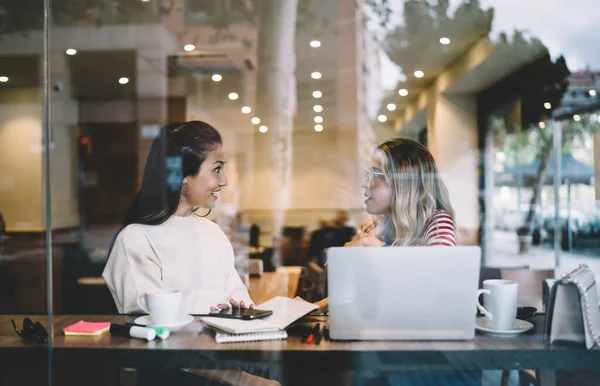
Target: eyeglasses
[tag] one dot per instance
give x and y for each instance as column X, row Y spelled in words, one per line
column 370, row 176
column 32, row 331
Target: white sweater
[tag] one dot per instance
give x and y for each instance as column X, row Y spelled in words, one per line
column 188, row 253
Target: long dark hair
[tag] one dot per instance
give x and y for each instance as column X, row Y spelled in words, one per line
column 177, row 152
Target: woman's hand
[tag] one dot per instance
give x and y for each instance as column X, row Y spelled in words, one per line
column 365, row 241
column 231, row 303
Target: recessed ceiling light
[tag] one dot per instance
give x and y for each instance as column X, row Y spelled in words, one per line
column 593, row 93
column 263, row 129
column 318, row 119
column 576, row 117
column 217, row 78
column 246, row 110
column 445, row 41
column 315, row 44
column 382, row 118
column 547, row 105
column 255, row 120
column 123, row 80
column 71, row 51
column 318, row 128
column 542, row 125
column 189, row 47
column 391, row 106
column 316, row 75
column 317, row 108
column 3, row 79
column 403, row 92
column 233, row 96
column 419, row 74
column 317, row 94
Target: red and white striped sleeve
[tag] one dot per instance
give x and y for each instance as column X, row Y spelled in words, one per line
column 440, row 230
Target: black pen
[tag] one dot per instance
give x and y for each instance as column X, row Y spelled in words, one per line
column 311, row 336
column 321, row 335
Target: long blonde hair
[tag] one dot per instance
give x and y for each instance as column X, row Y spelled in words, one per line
column 416, row 190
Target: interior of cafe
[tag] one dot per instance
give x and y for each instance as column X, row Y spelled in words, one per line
column 194, row 192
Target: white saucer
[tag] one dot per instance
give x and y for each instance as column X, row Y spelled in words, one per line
column 520, row 326
column 182, row 321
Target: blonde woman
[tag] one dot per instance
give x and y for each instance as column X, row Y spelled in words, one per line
column 407, row 199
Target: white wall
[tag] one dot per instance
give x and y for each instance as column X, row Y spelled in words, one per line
column 20, row 167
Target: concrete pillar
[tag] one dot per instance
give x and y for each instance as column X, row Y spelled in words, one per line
column 63, row 144
column 453, row 141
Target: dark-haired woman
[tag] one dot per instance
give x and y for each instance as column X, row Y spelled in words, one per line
column 163, row 242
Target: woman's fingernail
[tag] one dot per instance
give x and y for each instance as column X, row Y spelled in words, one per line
column 242, row 304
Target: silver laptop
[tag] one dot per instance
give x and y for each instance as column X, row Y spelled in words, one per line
column 403, row 293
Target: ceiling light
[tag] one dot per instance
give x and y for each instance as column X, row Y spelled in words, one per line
column 403, row 92
column 263, row 129
column 246, row 110
column 317, row 94
column 315, row 44
column 255, row 120
column 542, row 125
column 445, row 41
column 317, row 108
column 593, row 93
column 123, row 80
column 419, row 74
column 577, row 118
column 316, row 75
column 189, row 47
column 233, row 96
column 382, row 118
column 547, row 105
column 318, row 128
column 71, row 51
column 318, row 119
column 217, row 78
column 3, row 79
column 391, row 106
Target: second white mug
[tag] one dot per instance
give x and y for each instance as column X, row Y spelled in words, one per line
column 500, row 300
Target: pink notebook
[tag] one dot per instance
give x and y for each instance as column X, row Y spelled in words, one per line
column 87, row 328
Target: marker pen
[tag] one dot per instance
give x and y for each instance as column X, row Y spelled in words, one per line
column 161, row 332
column 132, row 331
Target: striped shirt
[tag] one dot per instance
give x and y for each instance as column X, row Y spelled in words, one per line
column 440, row 230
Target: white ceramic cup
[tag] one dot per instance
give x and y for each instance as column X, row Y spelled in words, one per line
column 162, row 305
column 500, row 299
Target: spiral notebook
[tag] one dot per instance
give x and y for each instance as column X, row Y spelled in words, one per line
column 221, row 337
column 285, row 312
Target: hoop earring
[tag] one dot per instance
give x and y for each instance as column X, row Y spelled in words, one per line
column 194, row 211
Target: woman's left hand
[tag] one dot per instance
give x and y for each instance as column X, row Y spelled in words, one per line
column 365, row 241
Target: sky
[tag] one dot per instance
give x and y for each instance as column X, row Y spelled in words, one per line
column 567, row 27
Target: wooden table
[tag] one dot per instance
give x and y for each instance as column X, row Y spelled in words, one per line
column 191, row 348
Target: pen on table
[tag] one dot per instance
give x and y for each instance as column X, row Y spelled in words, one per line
column 161, row 332
column 311, row 336
column 321, row 335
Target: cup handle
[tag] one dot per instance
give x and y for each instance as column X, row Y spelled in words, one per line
column 480, row 307
column 141, row 301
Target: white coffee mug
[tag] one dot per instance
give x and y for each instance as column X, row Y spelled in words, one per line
column 500, row 299
column 162, row 305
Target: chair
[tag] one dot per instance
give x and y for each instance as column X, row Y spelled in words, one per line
column 318, row 276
